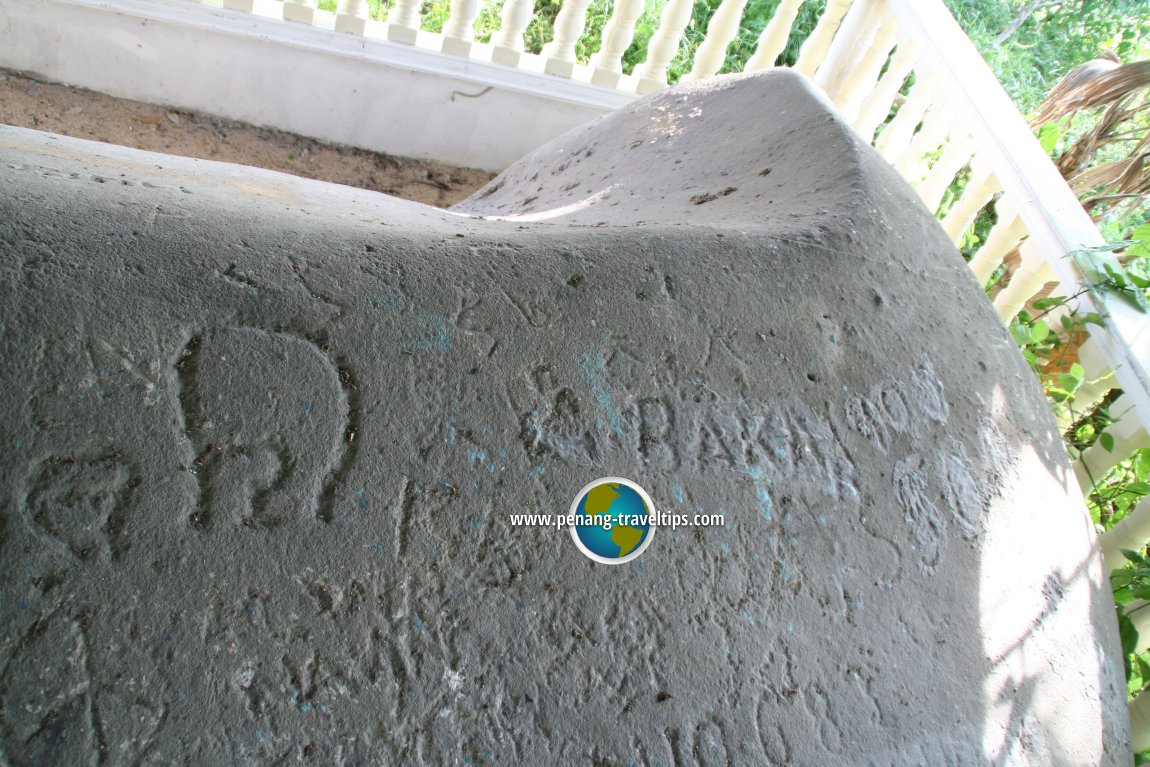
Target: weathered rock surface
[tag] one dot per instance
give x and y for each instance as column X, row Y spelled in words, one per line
column 262, row 438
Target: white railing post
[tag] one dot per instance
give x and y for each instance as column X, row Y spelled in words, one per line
column 1003, row 237
column 459, row 32
column 977, row 193
column 815, row 47
column 1128, row 436
column 774, row 36
column 508, row 41
column 300, row 11
column 876, row 106
column 1053, row 214
column 956, row 153
column 1140, row 722
column 849, row 45
column 1032, row 273
column 617, row 37
column 1131, row 533
column 896, row 135
column 664, row 45
column 861, row 80
column 721, row 30
column 569, row 24
column 351, row 16
column 403, row 22
column 929, row 137
column 240, row 5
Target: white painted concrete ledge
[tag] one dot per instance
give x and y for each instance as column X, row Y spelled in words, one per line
column 367, row 93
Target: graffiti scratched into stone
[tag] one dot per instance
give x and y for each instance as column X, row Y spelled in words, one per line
column 269, row 416
column 83, row 502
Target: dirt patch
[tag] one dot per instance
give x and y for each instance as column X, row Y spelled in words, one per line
column 29, row 103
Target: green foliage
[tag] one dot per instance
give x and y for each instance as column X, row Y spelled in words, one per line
column 1058, row 36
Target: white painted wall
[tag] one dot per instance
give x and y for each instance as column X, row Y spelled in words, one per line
column 367, row 93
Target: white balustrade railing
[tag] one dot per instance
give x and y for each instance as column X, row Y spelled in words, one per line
column 954, row 122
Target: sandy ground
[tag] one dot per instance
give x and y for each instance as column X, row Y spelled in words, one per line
column 85, row 114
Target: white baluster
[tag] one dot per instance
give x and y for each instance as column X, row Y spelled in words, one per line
column 1097, row 382
column 240, row 5
column 862, row 78
column 982, row 186
column 569, row 24
column 300, row 11
column 815, row 47
column 721, row 30
column 351, row 16
column 1003, row 237
column 1140, row 723
column 1139, row 612
column 1128, row 436
column 955, row 155
column 876, row 106
column 896, row 135
column 664, row 45
column 774, row 37
column 459, row 32
column 403, row 22
column 849, row 45
column 617, row 37
column 1131, row 533
column 1032, row 274
column 912, row 162
column 508, row 41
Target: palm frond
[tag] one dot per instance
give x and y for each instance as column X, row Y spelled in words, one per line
column 1095, row 83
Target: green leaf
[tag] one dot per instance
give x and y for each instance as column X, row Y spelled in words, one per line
column 1058, row 395
column 1140, row 488
column 1127, row 633
column 1050, row 302
column 1106, row 439
column 1039, row 332
column 1020, row 333
column 1117, row 277
column 1133, row 556
column 1122, row 578
column 1048, row 136
column 1141, row 244
column 1078, row 371
column 1094, row 319
column 1069, row 382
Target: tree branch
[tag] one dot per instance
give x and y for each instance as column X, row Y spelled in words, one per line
column 1023, row 14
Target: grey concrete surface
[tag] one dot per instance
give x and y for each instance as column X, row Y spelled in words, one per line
column 262, row 437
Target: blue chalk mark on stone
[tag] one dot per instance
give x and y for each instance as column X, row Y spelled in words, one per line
column 677, row 493
column 761, row 482
column 595, row 373
column 307, row 406
column 441, row 338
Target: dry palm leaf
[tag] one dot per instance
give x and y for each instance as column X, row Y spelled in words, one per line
column 1115, row 181
column 1095, row 83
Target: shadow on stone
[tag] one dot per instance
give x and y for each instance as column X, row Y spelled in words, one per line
column 265, row 435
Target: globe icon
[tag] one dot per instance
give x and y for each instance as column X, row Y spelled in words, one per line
column 614, row 520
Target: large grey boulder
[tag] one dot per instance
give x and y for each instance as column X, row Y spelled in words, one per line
column 263, row 438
